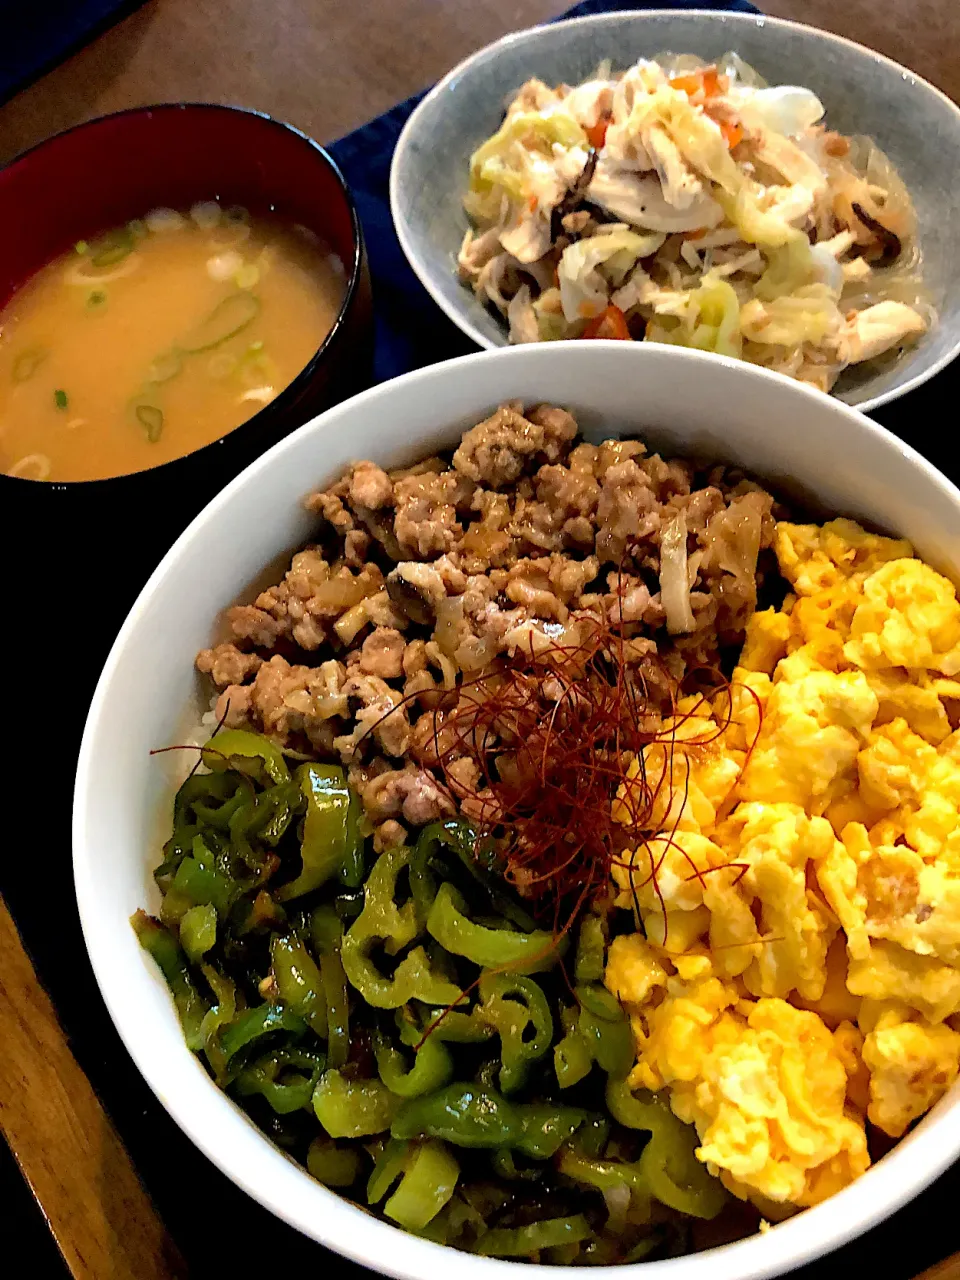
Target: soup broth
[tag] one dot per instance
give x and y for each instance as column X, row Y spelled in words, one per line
column 156, row 339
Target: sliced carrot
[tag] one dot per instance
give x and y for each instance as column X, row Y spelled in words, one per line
column 695, row 235
column 732, row 133
column 687, row 84
column 597, row 133
column 532, row 204
column 611, row 323
column 708, row 80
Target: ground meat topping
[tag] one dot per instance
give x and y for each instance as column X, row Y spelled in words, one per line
column 423, row 579
column 495, row 451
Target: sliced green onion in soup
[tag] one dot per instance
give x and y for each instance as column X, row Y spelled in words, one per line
column 27, row 363
column 161, row 221
column 96, row 300
column 206, row 214
column 111, row 248
column 138, row 229
column 225, row 321
column 247, row 277
column 166, row 366
column 60, row 399
column 150, row 418
column 35, row 466
column 233, row 227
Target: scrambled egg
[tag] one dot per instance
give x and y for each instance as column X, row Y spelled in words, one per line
column 798, row 973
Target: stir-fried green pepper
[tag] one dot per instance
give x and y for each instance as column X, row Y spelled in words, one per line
column 199, row 881
column 432, row 1067
column 668, row 1162
column 455, row 837
column 286, row 1078
column 353, row 1108
column 604, row 1175
column 299, row 982
column 221, row 1015
column 331, row 843
column 472, row 1116
column 490, row 948
column 429, row 1179
column 591, row 947
column 518, row 1011
column 603, row 1026
column 198, row 931
column 387, row 1169
column 545, row 1127
column 572, row 1059
column 383, row 921
column 326, row 931
column 246, row 752
column 332, row 1165
column 255, row 1023
column 457, row 1027
column 524, row 1242
column 162, row 945
column 461, row 1114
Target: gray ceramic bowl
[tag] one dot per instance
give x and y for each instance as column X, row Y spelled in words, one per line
column 914, row 123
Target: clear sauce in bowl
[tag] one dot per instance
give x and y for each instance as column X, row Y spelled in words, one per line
column 157, row 338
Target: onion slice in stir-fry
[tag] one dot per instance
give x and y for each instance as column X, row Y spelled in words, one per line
column 674, row 576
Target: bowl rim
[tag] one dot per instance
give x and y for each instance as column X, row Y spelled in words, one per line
column 889, row 1184
column 262, row 419
column 410, row 131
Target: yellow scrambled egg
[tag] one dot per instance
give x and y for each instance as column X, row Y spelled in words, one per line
column 798, row 973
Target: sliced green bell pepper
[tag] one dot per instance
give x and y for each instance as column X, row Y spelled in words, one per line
column 331, row 842
column 160, row 943
column 383, row 921
column 353, row 1108
column 490, row 948
column 518, row 1011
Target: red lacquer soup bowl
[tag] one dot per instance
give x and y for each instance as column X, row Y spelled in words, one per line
column 103, row 537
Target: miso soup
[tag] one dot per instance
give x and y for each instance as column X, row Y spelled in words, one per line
column 157, row 338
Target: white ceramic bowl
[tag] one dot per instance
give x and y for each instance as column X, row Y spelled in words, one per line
column 914, row 123
column 682, row 401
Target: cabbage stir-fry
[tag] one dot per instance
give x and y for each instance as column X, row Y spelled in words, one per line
column 693, row 204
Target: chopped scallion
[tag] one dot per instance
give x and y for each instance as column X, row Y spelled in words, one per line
column 227, row 318
column 96, row 300
column 112, row 248
column 60, row 399
column 166, row 366
column 81, row 247
column 150, row 417
column 27, row 363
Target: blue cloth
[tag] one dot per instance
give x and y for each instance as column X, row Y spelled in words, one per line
column 40, row 34
column 411, row 330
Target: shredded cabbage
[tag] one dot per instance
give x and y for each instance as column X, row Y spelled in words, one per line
column 710, row 320
column 789, row 267
column 589, row 268
column 550, row 318
column 786, row 109
column 505, row 160
column 807, row 315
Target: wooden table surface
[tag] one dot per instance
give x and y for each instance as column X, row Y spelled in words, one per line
column 325, row 66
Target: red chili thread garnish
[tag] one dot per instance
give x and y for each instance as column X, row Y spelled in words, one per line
column 551, row 733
